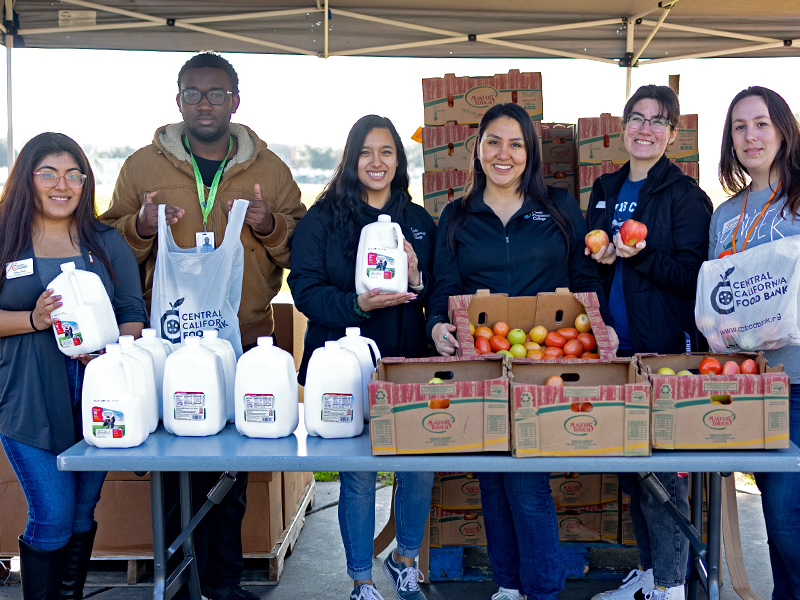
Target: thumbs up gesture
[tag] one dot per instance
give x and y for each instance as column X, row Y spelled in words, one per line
column 147, row 218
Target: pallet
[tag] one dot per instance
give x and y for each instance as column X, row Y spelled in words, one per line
column 263, row 569
column 581, row 559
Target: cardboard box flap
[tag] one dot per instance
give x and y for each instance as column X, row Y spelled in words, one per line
column 448, row 371
column 620, row 371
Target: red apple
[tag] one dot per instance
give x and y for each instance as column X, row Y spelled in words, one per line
column 632, row 232
column 595, row 240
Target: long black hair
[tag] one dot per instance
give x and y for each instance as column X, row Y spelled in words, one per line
column 345, row 197
column 19, row 202
column 732, row 173
column 532, row 181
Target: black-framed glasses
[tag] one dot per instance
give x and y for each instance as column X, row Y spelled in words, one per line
column 215, row 97
column 637, row 121
column 49, row 179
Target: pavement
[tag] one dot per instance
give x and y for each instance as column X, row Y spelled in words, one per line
column 316, row 568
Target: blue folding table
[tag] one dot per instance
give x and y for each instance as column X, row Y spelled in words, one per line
column 231, row 452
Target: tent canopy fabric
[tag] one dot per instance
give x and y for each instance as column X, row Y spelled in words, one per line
column 623, row 32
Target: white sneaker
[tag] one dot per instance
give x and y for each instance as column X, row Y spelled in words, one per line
column 365, row 591
column 636, row 581
column 504, row 594
column 672, row 593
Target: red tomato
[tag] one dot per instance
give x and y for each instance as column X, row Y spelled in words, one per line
column 588, row 341
column 555, row 340
column 749, row 367
column 554, row 380
column 590, row 355
column 553, row 351
column 710, row 366
column 482, row 345
column 731, row 367
column 483, row 331
column 573, row 347
column 569, row 333
column 570, row 356
column 498, row 342
column 501, row 328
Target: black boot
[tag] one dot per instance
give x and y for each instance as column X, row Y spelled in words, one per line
column 76, row 565
column 40, row 571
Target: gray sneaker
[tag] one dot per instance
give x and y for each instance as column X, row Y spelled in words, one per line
column 506, row 594
column 634, row 587
column 403, row 578
column 365, row 591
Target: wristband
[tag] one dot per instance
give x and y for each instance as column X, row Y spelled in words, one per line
column 357, row 309
column 420, row 287
column 30, row 318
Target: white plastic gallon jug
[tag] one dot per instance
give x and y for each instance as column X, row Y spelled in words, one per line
column 147, row 372
column 227, row 355
column 114, row 408
column 159, row 349
column 381, row 261
column 267, row 403
column 368, row 356
column 333, row 402
column 194, row 393
column 85, row 321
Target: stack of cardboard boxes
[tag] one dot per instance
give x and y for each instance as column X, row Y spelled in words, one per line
column 587, row 506
column 601, row 150
column 453, row 108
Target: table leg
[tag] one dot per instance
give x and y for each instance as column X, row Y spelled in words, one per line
column 696, row 561
column 159, row 543
column 714, row 532
column 188, row 543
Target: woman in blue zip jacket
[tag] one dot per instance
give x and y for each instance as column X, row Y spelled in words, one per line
column 371, row 179
column 511, row 233
column 651, row 293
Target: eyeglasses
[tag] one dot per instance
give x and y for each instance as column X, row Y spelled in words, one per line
column 656, row 123
column 215, row 97
column 49, row 179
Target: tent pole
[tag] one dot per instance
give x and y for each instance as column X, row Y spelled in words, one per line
column 325, row 21
column 10, row 112
column 629, row 31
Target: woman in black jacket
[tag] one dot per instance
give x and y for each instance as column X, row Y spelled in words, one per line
column 651, row 292
column 371, row 179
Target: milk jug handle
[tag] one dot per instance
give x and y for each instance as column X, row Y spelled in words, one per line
column 375, row 349
column 128, row 375
column 400, row 236
column 76, row 288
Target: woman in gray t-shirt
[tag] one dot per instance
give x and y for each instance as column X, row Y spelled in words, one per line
column 761, row 143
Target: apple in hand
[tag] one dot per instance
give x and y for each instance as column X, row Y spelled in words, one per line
column 595, row 240
column 632, row 232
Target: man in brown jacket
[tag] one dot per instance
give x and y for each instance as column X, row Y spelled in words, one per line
column 197, row 168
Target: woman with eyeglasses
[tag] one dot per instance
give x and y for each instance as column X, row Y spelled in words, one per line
column 651, row 292
column 759, row 166
column 48, row 217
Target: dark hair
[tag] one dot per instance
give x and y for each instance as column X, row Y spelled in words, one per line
column 344, row 196
column 211, row 61
column 19, row 203
column 733, row 174
column 668, row 104
column 532, row 181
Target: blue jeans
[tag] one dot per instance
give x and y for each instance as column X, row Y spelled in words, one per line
column 779, row 500
column 662, row 545
column 412, row 502
column 59, row 502
column 522, row 533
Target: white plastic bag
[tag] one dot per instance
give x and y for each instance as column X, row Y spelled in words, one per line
column 750, row 300
column 193, row 290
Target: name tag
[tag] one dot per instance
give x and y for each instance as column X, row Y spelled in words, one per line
column 204, row 241
column 19, row 268
column 729, row 226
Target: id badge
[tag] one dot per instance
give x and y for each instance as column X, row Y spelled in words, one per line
column 19, row 268
column 204, row 241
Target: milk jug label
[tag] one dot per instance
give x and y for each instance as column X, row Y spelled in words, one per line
column 259, row 408
column 379, row 266
column 337, row 408
column 107, row 423
column 190, row 406
column 68, row 334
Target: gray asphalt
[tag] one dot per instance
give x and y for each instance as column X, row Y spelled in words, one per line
column 316, row 568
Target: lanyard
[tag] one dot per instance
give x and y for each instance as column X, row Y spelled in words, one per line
column 753, row 226
column 207, row 205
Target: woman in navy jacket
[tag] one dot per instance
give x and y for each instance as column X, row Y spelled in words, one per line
column 371, row 179
column 47, row 216
column 651, row 292
column 513, row 234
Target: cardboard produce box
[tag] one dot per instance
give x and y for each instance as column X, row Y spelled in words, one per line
column 553, row 310
column 14, row 513
column 456, row 491
column 586, row 176
column 598, row 523
column 466, row 413
column 441, row 187
column 456, row 527
column 466, row 99
column 717, row 411
column 560, row 175
column 558, row 144
column 576, row 489
column 263, row 522
column 603, row 409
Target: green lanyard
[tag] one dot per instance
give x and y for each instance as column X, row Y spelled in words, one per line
column 207, row 205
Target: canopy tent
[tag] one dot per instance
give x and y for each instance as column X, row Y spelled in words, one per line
column 629, row 33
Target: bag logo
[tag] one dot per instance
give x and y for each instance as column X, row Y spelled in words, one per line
column 171, row 323
column 722, row 295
